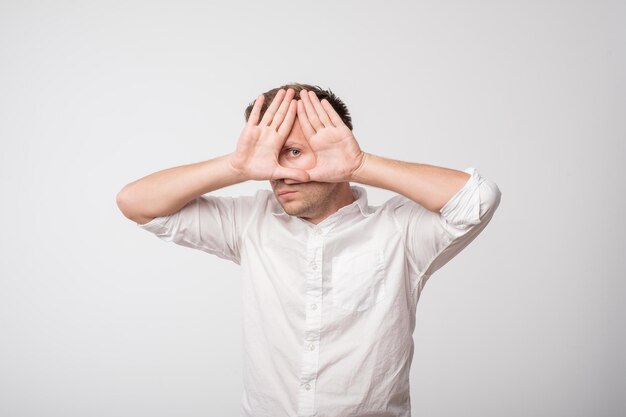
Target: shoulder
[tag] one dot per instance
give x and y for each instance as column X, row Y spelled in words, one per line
column 392, row 205
column 259, row 198
column 361, row 199
column 396, row 206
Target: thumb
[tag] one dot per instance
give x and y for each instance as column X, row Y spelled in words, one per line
column 316, row 174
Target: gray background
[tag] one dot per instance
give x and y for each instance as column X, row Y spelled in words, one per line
column 100, row 318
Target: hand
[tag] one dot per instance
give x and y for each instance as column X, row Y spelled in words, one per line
column 338, row 155
column 260, row 143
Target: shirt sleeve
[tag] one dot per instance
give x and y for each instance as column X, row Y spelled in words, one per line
column 208, row 223
column 433, row 239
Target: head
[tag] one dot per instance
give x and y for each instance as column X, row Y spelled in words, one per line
column 312, row 201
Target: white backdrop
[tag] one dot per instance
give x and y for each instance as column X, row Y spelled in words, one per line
column 100, row 318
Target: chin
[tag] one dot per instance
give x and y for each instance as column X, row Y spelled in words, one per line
column 294, row 209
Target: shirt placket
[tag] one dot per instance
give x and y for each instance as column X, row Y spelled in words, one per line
column 310, row 342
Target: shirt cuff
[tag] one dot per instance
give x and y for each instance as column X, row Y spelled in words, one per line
column 463, row 209
column 155, row 225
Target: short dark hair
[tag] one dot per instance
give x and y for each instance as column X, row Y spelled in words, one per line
column 334, row 101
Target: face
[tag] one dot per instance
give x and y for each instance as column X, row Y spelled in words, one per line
column 313, row 201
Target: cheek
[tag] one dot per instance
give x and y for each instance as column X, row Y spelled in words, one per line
column 306, row 161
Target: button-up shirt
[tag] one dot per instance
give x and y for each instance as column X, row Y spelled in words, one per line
column 329, row 309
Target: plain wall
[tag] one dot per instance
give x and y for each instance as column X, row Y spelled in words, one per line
column 101, row 318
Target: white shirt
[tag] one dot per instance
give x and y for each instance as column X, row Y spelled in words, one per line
column 329, row 309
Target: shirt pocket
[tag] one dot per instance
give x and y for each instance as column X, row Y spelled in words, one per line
column 358, row 280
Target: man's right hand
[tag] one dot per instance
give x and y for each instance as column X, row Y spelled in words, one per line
column 260, row 143
column 256, row 158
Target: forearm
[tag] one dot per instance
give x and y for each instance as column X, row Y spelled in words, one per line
column 428, row 185
column 167, row 191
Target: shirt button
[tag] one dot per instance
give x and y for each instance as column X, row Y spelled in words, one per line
column 307, row 387
column 313, row 265
column 313, row 306
column 311, row 346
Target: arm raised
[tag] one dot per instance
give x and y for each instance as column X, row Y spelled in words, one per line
column 256, row 158
column 167, row 191
column 339, row 158
column 430, row 186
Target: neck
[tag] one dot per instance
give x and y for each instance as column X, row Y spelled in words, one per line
column 341, row 198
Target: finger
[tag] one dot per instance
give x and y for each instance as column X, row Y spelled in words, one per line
column 253, row 119
column 287, row 124
column 316, row 174
column 310, row 111
column 321, row 113
column 282, row 110
column 290, row 173
column 307, row 129
column 334, row 116
column 269, row 113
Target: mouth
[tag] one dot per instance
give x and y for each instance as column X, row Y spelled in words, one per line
column 284, row 193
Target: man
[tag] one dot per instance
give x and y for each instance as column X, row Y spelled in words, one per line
column 330, row 284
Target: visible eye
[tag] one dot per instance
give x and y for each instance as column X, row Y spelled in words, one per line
column 294, row 152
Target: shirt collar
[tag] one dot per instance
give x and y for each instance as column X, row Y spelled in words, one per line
column 360, row 202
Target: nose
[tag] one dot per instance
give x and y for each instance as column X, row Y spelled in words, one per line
column 289, row 181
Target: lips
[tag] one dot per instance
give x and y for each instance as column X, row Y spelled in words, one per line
column 285, row 192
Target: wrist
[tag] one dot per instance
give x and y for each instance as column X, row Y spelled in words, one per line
column 236, row 167
column 357, row 174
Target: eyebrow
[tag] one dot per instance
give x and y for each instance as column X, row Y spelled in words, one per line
column 291, row 143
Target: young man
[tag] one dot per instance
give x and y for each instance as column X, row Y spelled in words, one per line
column 330, row 284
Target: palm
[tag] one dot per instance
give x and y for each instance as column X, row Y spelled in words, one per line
column 337, row 153
column 256, row 156
column 257, row 152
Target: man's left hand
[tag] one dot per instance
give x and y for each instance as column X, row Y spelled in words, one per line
column 337, row 152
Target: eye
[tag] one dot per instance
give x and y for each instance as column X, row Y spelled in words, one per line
column 294, row 152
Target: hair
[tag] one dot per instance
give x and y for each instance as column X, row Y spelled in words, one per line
column 334, row 101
